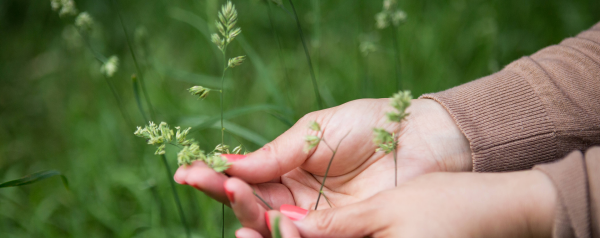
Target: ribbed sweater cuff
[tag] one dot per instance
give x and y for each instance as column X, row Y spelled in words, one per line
column 572, row 214
column 503, row 119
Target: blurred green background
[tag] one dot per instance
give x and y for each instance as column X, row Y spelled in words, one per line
column 57, row 110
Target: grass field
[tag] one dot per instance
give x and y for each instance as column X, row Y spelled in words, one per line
column 57, row 110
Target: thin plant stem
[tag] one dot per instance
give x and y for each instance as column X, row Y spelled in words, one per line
column 137, row 98
column 327, row 199
column 262, row 200
column 168, row 173
column 395, row 168
column 176, row 195
column 222, row 93
column 137, row 66
column 280, row 53
column 119, row 103
column 327, row 144
column 397, row 57
column 310, row 66
column 225, row 66
column 101, row 59
column 327, row 171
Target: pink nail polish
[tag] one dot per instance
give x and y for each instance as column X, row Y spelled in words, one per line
column 229, row 195
column 293, row 212
column 233, row 157
column 267, row 220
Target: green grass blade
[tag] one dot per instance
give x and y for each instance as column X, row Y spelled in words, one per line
column 176, row 195
column 137, row 66
column 310, row 66
column 276, row 231
column 243, row 132
column 35, row 177
column 239, row 112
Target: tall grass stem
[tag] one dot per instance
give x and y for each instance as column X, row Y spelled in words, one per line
column 280, row 53
column 397, row 57
column 176, row 195
column 327, row 170
column 310, row 66
column 135, row 62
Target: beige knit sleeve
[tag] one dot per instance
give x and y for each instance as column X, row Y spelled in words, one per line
column 577, row 182
column 537, row 109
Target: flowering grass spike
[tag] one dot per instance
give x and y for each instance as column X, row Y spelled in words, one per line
column 199, row 91
column 386, row 141
column 162, row 135
column 110, row 67
column 390, row 15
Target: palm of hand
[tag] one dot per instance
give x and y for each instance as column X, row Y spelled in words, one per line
column 282, row 173
column 357, row 171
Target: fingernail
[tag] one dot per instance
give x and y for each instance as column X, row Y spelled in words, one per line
column 267, row 219
column 229, row 195
column 233, row 157
column 179, row 176
column 293, row 212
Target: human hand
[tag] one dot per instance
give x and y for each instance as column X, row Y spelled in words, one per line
column 517, row 204
column 282, row 173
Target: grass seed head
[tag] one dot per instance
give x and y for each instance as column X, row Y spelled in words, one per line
column 384, row 140
column 236, row 61
column 199, row 91
column 237, row 149
column 189, row 154
column 311, row 142
column 64, row 7
column 226, row 26
column 217, row 162
column 110, row 67
column 313, row 125
column 400, row 101
column 390, row 15
column 84, row 22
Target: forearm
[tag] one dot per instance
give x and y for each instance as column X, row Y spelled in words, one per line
column 536, row 110
column 516, row 204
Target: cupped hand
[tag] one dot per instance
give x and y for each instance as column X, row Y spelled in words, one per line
column 282, row 173
column 517, row 204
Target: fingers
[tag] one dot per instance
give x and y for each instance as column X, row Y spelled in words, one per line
column 245, row 205
column 203, row 178
column 245, row 232
column 356, row 220
column 279, row 223
column 276, row 158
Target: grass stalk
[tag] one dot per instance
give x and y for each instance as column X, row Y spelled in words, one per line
column 397, row 57
column 168, row 171
column 152, row 116
column 280, row 53
column 310, row 66
column 137, row 98
column 326, row 199
column 102, row 59
column 395, row 167
column 262, row 200
column 135, row 62
column 176, row 195
column 328, row 167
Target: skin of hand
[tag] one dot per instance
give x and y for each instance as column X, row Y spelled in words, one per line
column 281, row 173
column 517, row 204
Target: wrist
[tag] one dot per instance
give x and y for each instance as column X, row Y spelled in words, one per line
column 540, row 200
column 525, row 205
column 439, row 129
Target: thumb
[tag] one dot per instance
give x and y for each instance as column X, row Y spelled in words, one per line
column 275, row 158
column 356, row 220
